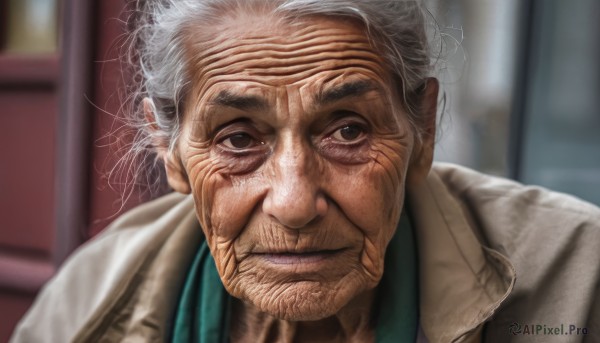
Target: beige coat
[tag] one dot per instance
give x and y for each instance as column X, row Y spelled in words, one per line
column 492, row 254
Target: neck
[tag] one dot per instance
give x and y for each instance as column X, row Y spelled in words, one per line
column 353, row 323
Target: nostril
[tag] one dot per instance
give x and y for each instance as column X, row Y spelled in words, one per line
column 321, row 205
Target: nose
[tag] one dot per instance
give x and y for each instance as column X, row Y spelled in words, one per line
column 295, row 198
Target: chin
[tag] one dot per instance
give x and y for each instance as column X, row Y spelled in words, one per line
column 303, row 300
column 301, row 303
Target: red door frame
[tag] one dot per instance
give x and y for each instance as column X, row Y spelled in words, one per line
column 80, row 86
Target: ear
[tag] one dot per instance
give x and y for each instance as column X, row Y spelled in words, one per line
column 422, row 156
column 176, row 174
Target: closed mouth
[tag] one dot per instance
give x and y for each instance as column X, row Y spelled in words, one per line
column 289, row 257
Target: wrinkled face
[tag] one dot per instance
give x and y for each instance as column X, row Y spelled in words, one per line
column 296, row 149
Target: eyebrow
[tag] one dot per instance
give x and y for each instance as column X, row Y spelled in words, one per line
column 346, row 90
column 241, row 102
column 252, row 102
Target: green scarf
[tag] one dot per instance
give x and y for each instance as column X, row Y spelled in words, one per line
column 203, row 311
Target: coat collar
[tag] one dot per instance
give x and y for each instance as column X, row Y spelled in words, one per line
column 461, row 282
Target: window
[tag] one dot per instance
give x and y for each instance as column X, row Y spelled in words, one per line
column 31, row 26
column 561, row 116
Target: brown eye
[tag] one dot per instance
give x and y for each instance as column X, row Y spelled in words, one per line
column 239, row 141
column 348, row 133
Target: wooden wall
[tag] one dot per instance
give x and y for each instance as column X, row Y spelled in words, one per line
column 55, row 108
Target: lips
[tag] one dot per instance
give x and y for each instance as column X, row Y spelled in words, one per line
column 287, row 257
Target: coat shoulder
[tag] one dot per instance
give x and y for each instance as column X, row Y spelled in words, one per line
column 96, row 272
column 504, row 209
column 551, row 238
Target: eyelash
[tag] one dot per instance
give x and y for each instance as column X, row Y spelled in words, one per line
column 356, row 125
column 350, row 123
column 257, row 142
column 235, row 128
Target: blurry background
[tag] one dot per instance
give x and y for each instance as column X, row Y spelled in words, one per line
column 522, row 78
column 523, row 82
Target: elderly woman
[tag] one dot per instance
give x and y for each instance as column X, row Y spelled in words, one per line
column 303, row 131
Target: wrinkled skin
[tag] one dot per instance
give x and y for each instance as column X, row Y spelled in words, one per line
column 296, row 149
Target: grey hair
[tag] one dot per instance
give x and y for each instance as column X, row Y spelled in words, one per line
column 396, row 27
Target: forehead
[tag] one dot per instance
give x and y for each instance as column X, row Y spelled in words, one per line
column 268, row 52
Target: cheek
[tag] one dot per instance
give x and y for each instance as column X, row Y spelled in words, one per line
column 221, row 196
column 224, row 203
column 372, row 195
column 234, row 201
column 204, row 176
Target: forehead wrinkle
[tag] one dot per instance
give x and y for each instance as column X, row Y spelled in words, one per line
column 264, row 58
column 311, row 44
column 234, row 47
column 284, row 75
column 280, row 59
column 294, row 38
column 272, row 62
